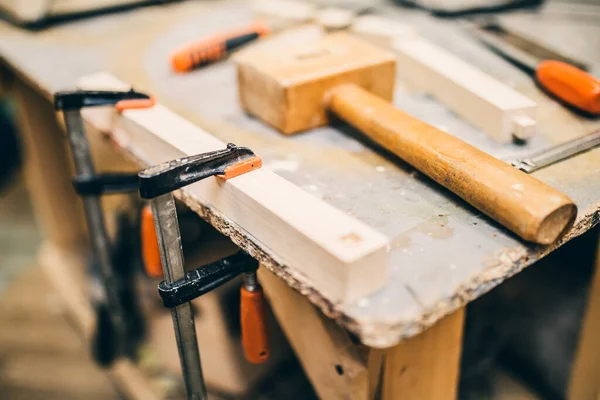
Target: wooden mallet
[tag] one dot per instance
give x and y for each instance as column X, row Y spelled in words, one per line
column 293, row 89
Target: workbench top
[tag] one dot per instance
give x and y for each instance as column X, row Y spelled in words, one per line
column 443, row 252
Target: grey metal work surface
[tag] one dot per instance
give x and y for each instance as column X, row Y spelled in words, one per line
column 443, row 252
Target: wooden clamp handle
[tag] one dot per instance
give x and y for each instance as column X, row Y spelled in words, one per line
column 530, row 208
column 255, row 339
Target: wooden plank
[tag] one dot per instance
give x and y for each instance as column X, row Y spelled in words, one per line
column 426, row 367
column 330, row 359
column 341, row 256
column 585, row 374
column 381, row 30
column 485, row 102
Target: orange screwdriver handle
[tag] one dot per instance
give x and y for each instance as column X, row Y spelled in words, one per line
column 150, row 252
column 570, row 84
column 216, row 47
column 255, row 339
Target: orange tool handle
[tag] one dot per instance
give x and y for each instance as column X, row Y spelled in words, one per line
column 216, row 47
column 570, row 84
column 135, row 104
column 150, row 252
column 255, row 339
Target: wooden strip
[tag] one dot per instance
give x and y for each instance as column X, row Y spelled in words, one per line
column 426, row 367
column 485, row 102
column 585, row 374
column 342, row 258
column 381, row 30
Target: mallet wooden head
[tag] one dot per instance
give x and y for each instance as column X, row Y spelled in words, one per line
column 288, row 87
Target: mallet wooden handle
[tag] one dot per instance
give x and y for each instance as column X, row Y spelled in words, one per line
column 530, row 208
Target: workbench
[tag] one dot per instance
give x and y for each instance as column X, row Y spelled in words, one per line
column 443, row 253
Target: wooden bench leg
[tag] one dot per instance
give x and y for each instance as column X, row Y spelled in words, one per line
column 337, row 367
column 47, row 170
column 585, row 373
column 426, row 367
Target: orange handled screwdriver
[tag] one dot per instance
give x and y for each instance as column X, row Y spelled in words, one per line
column 570, row 84
column 216, row 47
column 566, row 82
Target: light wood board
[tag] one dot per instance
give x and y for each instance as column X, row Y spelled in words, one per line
column 487, row 103
column 342, row 257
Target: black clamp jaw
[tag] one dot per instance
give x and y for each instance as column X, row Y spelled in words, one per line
column 110, row 183
column 206, row 278
column 172, row 175
column 162, row 179
column 99, row 184
column 78, row 99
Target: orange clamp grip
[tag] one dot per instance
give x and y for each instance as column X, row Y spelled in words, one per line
column 150, row 251
column 255, row 339
column 212, row 48
column 241, row 167
column 570, row 84
column 135, row 104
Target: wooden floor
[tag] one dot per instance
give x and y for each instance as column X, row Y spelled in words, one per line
column 41, row 356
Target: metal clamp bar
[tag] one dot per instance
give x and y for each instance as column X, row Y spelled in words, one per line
column 169, row 242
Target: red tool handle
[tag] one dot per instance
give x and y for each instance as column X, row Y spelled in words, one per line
column 570, row 84
column 150, row 251
column 255, row 339
column 215, row 47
